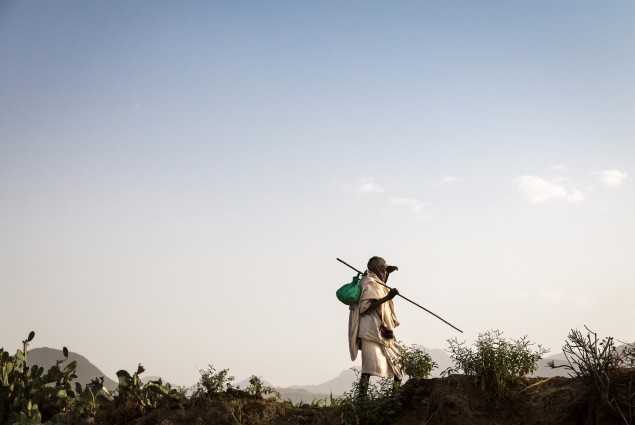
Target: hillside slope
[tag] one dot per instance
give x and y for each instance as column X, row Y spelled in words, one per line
column 86, row 371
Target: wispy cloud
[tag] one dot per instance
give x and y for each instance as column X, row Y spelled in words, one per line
column 538, row 190
column 451, row 179
column 611, row 177
column 576, row 196
column 368, row 185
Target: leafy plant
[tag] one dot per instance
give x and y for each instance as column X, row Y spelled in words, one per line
column 258, row 389
column 213, row 384
column 150, row 395
column 134, row 399
column 495, row 362
column 90, row 399
column 416, row 362
column 373, row 403
column 30, row 415
column 318, row 402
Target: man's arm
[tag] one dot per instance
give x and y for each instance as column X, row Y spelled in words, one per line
column 376, row 303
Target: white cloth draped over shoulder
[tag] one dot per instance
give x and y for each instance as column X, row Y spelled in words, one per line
column 378, row 354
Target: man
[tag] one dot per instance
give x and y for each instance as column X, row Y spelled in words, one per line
column 371, row 323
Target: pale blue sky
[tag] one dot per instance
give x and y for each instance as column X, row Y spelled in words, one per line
column 177, row 178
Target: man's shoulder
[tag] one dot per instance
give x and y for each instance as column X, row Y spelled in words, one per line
column 368, row 280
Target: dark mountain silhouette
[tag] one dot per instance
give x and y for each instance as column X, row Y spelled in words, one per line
column 86, row 371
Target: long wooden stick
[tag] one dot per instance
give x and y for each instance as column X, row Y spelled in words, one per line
column 409, row 300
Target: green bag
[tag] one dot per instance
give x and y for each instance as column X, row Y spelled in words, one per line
column 350, row 293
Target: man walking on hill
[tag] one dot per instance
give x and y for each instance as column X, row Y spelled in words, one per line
column 371, row 323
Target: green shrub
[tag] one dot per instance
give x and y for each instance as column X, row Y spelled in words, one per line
column 416, row 362
column 212, row 383
column 89, row 400
column 134, row 399
column 258, row 389
column 495, row 362
column 148, row 396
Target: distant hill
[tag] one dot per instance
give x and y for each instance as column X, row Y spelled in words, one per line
column 441, row 357
column 337, row 385
column 299, row 395
column 86, row 371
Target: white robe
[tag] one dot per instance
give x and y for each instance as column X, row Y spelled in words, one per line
column 379, row 355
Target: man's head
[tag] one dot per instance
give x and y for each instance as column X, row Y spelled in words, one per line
column 378, row 266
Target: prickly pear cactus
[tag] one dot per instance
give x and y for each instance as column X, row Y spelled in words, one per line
column 28, row 395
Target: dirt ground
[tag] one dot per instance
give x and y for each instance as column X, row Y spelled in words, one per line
column 454, row 400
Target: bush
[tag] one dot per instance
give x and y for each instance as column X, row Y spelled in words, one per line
column 134, row 399
column 258, row 389
column 598, row 364
column 416, row 362
column 590, row 359
column 375, row 404
column 212, row 383
column 495, row 362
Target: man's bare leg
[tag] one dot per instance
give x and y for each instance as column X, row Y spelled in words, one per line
column 363, row 384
